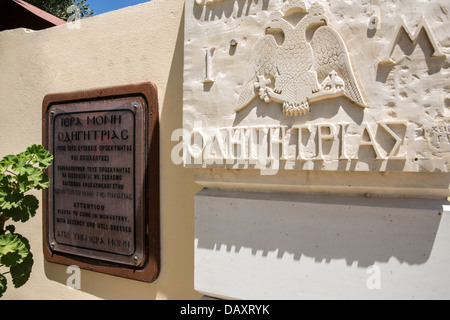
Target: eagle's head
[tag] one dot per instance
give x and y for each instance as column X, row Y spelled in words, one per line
column 317, row 14
column 276, row 22
column 292, row 6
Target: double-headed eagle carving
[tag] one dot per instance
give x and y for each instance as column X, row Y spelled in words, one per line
column 299, row 71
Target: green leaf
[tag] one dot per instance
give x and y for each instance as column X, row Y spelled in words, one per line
column 6, row 180
column 20, row 165
column 34, row 175
column 13, row 250
column 39, row 155
column 32, row 178
column 26, row 209
column 6, row 162
column 30, row 204
column 20, row 273
column 10, row 228
column 3, row 286
column 44, row 183
column 59, row 8
column 9, row 198
column 24, row 183
column 19, row 174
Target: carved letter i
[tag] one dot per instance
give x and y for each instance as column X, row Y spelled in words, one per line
column 208, row 61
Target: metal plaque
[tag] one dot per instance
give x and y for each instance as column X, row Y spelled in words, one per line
column 96, row 207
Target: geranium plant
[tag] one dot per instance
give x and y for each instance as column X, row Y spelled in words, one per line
column 19, row 174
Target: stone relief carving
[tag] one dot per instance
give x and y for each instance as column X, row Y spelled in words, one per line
column 208, row 66
column 202, row 2
column 383, row 106
column 298, row 72
column 423, row 25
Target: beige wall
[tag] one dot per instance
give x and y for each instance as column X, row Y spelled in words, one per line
column 132, row 45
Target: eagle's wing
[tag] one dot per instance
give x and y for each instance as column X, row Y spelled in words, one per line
column 331, row 54
column 263, row 63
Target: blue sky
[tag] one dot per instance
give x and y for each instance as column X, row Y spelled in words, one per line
column 102, row 6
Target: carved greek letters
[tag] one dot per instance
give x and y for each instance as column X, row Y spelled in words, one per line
column 403, row 27
column 321, row 142
column 208, row 65
column 317, row 85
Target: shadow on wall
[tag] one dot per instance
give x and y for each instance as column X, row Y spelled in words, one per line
column 319, row 110
column 100, row 285
column 360, row 230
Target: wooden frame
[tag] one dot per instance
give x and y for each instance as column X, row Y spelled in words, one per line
column 148, row 270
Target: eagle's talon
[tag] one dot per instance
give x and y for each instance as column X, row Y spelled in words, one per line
column 317, row 89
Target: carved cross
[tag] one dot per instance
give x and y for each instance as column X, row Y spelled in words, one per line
column 262, row 86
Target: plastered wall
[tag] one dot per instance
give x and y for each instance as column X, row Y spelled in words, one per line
column 132, row 45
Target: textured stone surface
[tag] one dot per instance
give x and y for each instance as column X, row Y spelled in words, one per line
column 398, row 56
